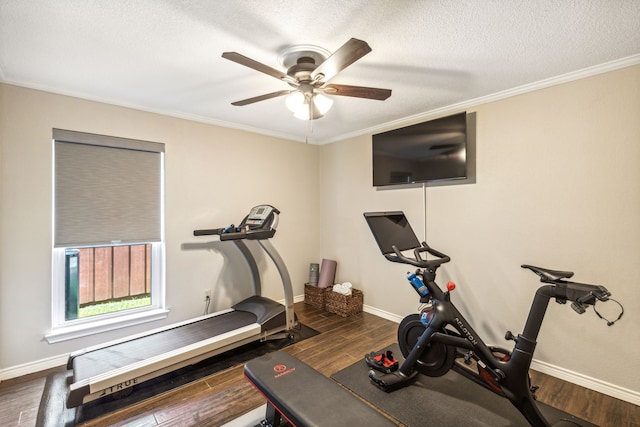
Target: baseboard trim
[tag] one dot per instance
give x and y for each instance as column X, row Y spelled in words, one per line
column 381, row 313
column 594, row 384
column 33, row 367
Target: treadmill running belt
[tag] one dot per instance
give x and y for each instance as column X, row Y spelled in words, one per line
column 123, row 354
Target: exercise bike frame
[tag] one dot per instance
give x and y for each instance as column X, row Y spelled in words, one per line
column 511, row 374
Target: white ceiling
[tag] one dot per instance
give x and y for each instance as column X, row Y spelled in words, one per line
column 435, row 55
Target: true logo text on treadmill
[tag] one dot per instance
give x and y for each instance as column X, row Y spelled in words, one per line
column 118, row 387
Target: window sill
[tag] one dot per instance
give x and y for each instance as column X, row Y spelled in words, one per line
column 77, row 331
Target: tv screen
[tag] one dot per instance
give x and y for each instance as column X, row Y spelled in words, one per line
column 391, row 228
column 435, row 150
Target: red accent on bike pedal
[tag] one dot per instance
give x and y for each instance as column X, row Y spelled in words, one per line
column 389, row 361
column 451, row 286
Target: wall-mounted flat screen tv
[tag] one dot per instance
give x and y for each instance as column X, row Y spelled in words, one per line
column 431, row 151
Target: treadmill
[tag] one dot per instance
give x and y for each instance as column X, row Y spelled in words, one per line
column 116, row 366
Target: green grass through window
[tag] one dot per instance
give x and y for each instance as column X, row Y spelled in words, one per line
column 113, row 306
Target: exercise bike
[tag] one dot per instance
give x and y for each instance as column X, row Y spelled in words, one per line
column 439, row 338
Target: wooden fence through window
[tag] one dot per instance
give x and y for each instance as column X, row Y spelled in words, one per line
column 113, row 273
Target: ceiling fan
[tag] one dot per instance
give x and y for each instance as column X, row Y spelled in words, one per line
column 309, row 69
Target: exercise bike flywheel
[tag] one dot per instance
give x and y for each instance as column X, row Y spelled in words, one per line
column 437, row 358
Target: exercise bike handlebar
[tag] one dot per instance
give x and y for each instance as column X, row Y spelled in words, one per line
column 418, row 260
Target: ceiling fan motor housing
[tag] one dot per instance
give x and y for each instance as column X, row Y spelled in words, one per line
column 301, row 70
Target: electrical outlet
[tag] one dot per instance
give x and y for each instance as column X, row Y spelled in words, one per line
column 207, row 294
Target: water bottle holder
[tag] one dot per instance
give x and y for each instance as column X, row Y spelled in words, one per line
column 426, row 313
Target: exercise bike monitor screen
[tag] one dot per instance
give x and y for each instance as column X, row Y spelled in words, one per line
column 391, row 228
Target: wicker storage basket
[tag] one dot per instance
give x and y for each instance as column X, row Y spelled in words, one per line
column 315, row 296
column 344, row 305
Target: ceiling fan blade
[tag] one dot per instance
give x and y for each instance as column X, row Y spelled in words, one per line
column 258, row 66
column 346, row 55
column 357, row 91
column 261, row 97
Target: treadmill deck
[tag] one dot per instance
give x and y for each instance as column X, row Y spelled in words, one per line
column 107, row 359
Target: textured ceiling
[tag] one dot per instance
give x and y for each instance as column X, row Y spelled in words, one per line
column 165, row 55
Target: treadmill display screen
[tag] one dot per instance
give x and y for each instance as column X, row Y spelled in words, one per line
column 259, row 215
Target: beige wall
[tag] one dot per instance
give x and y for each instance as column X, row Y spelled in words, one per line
column 558, row 185
column 213, row 177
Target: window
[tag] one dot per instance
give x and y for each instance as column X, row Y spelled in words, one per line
column 106, row 279
column 108, row 233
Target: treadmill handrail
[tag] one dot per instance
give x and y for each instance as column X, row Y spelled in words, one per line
column 287, row 287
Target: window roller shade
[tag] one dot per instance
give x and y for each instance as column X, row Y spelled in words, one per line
column 107, row 190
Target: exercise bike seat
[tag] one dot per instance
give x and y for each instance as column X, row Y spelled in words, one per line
column 547, row 275
column 305, row 397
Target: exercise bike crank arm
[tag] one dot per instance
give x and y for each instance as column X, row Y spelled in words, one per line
column 406, row 374
column 392, row 381
column 408, row 366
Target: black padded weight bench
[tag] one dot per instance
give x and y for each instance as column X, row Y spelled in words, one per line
column 305, row 397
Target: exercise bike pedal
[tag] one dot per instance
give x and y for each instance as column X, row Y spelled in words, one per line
column 383, row 362
column 392, row 381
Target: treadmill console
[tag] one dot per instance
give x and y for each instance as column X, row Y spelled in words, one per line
column 260, row 224
column 259, row 216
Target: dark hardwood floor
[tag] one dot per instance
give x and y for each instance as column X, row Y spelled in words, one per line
column 220, row 398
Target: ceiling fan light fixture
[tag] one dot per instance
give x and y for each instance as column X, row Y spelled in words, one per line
column 299, row 104
column 303, row 114
column 308, row 111
column 323, row 103
column 295, row 101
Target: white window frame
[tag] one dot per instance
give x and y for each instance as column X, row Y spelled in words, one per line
column 62, row 329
